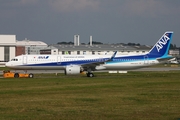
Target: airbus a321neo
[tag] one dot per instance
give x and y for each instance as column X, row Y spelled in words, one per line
column 75, row 64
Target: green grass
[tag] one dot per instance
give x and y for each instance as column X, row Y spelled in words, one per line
column 135, row 95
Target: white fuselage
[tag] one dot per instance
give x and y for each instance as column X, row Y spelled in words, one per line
column 59, row 62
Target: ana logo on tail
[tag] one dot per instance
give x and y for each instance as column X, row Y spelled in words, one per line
column 161, row 42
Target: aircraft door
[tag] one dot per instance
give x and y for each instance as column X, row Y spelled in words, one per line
column 24, row 59
column 146, row 60
column 58, row 60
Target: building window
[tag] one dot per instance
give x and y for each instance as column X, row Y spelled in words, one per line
column 28, row 50
column 63, row 52
column 44, row 51
column 6, row 53
column 66, row 52
column 93, row 52
column 78, row 52
column 99, row 52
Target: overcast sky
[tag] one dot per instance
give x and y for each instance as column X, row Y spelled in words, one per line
column 108, row 21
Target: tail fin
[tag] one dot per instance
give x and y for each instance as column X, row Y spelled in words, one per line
column 161, row 48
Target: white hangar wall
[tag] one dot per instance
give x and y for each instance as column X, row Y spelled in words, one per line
column 7, row 47
column 2, row 53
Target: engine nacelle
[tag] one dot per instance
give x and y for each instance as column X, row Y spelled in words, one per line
column 72, row 69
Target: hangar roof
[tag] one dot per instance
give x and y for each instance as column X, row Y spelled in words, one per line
column 104, row 47
column 30, row 43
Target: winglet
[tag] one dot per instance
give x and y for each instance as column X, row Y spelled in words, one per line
column 113, row 56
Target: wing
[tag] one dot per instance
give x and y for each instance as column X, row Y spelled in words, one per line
column 100, row 61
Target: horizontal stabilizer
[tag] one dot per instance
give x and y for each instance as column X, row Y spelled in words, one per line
column 165, row 58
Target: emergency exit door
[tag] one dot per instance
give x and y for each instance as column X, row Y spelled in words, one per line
column 24, row 59
column 58, row 60
column 146, row 60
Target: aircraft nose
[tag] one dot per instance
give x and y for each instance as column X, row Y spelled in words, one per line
column 7, row 64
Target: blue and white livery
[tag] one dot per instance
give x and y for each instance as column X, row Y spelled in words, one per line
column 75, row 64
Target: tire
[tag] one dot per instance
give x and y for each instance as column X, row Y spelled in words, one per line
column 31, row 75
column 90, row 75
column 16, row 75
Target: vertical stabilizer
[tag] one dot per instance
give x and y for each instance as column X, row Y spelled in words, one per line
column 161, row 48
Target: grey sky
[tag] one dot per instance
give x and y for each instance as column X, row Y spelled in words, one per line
column 108, row 21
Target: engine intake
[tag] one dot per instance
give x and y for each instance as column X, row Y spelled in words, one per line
column 72, row 69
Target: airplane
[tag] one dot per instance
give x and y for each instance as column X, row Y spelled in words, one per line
column 75, row 64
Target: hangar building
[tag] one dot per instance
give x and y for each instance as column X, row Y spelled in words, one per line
column 93, row 49
column 29, row 47
column 7, row 47
column 102, row 49
column 10, row 47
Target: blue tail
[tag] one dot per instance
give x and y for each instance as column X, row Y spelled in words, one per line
column 161, row 48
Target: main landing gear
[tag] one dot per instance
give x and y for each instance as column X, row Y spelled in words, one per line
column 90, row 74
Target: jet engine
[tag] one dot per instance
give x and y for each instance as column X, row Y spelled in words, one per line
column 72, row 69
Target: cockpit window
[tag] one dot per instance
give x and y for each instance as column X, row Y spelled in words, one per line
column 14, row 59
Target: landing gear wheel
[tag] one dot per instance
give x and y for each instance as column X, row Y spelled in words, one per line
column 31, row 75
column 90, row 75
column 16, row 75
